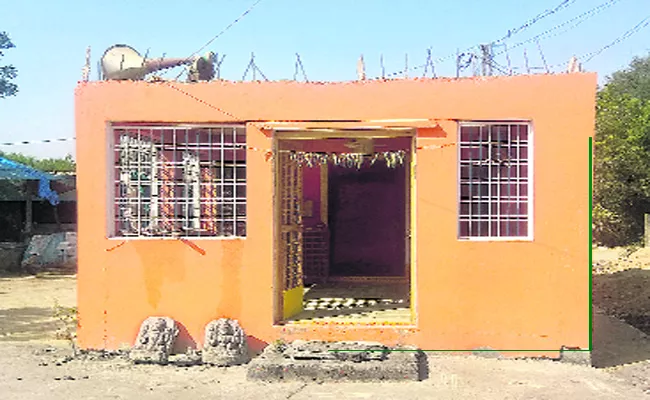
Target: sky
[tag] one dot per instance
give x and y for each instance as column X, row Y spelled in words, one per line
column 51, row 38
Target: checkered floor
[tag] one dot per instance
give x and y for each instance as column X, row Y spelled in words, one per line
column 355, row 303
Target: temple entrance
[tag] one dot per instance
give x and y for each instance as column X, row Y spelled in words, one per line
column 343, row 209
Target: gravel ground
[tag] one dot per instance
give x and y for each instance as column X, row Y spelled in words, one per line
column 32, row 370
column 34, row 365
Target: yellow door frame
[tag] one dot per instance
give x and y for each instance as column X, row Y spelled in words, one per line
column 281, row 308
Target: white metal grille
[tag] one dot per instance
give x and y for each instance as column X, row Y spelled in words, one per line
column 178, row 181
column 495, row 182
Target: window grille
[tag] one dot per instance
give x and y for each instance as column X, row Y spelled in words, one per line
column 495, row 182
column 178, row 181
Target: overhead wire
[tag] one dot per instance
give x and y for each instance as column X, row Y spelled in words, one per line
column 511, row 32
column 27, row 142
column 589, row 56
column 224, row 30
column 585, row 58
column 579, row 19
column 539, row 17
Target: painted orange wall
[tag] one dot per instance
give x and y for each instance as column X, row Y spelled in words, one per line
column 505, row 295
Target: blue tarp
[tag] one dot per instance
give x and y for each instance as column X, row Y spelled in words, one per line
column 17, row 171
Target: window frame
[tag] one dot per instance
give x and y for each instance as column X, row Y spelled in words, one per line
column 530, row 201
column 111, row 227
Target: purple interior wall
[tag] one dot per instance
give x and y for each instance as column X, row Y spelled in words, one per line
column 367, row 221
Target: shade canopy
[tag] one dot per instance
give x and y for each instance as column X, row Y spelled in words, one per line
column 13, row 170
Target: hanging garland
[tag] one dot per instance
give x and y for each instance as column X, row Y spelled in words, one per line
column 348, row 160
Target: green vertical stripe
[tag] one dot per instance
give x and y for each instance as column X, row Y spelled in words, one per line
column 591, row 315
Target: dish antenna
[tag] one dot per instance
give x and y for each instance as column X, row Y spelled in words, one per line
column 122, row 62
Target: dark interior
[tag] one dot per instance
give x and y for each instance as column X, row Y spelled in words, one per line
column 367, row 218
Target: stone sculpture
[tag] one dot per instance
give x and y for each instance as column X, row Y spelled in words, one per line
column 155, row 341
column 225, row 343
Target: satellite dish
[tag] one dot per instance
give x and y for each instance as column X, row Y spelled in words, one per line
column 122, row 62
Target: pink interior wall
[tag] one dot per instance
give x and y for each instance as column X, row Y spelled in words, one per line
column 367, row 209
column 311, row 192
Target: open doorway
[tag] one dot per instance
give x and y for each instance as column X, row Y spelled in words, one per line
column 343, row 238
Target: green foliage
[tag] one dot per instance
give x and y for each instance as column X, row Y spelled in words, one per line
column 622, row 156
column 7, row 72
column 65, row 164
column 633, row 81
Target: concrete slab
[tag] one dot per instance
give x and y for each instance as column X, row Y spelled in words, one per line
column 616, row 342
column 277, row 364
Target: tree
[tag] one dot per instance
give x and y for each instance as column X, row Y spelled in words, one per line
column 622, row 155
column 66, row 164
column 633, row 81
column 7, row 72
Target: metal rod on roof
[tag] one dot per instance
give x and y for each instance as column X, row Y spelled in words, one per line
column 508, row 59
column 406, row 66
column 85, row 74
column 526, row 61
column 218, row 64
column 541, row 53
column 361, row 69
column 253, row 64
column 428, row 64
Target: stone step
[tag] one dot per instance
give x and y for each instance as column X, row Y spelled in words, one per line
column 346, row 361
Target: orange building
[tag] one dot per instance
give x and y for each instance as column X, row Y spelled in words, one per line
column 449, row 214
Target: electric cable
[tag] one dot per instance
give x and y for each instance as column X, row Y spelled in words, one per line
column 221, row 33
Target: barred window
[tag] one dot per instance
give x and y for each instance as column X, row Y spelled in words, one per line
column 495, row 182
column 179, row 181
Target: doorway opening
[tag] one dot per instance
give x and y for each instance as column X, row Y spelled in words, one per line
column 343, row 241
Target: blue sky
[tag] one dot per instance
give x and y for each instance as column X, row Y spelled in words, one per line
column 51, row 38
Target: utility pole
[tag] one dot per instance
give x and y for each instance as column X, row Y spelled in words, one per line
column 486, row 59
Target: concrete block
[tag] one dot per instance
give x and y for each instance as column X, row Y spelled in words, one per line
column 279, row 363
column 341, row 351
column 486, row 352
column 574, row 355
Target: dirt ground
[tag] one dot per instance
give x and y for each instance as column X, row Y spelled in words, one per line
column 34, row 364
column 621, row 284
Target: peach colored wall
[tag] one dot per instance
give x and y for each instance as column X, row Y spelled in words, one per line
column 506, row 295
